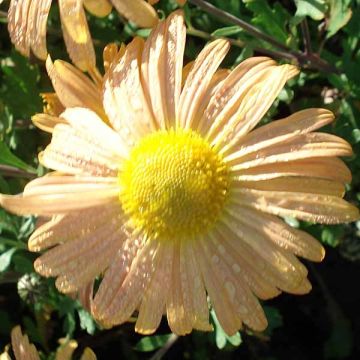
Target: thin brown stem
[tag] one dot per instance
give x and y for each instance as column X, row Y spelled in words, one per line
column 306, row 36
column 304, row 59
column 161, row 352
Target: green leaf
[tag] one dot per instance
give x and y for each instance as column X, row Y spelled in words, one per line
column 274, row 317
column 273, row 20
column 87, row 322
column 315, row 9
column 5, row 259
column 9, row 159
column 151, row 343
column 340, row 14
column 227, row 31
column 332, row 236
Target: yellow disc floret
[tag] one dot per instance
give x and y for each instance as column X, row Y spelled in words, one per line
column 174, row 185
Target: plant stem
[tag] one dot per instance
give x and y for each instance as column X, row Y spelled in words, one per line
column 306, row 36
column 161, row 352
column 238, row 43
column 305, row 59
column 227, row 17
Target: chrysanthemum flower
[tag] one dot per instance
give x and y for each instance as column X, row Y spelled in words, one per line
column 177, row 197
column 27, row 24
column 24, row 350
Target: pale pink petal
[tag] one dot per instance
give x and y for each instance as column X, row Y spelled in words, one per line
column 152, row 305
column 61, row 198
column 138, row 11
column 73, row 88
column 124, row 99
column 278, row 131
column 329, row 168
column 124, row 283
column 317, row 208
column 301, row 147
column 199, row 79
column 76, row 34
column 297, row 184
column 162, row 64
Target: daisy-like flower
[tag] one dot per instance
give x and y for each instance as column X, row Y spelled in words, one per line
column 175, row 198
column 24, row 350
column 27, row 20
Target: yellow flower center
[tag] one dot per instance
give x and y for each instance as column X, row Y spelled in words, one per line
column 174, row 185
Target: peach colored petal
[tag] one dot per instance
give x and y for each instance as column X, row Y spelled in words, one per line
column 137, row 11
column 238, row 291
column 18, row 22
column 36, row 30
column 64, row 228
column 73, row 88
column 124, row 283
column 323, row 168
column 258, row 267
column 100, row 8
column 297, row 184
column 179, row 314
column 76, row 34
column 96, row 132
column 323, row 209
column 162, row 64
column 299, row 123
column 301, row 147
column 76, row 152
column 224, row 309
column 46, row 122
column 256, row 99
column 85, row 295
column 62, row 198
column 80, row 260
column 234, row 291
column 259, row 285
column 199, row 79
column 227, row 99
column 152, row 306
column 124, row 100
column 278, row 232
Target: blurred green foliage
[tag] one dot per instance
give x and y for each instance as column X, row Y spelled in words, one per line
column 322, row 325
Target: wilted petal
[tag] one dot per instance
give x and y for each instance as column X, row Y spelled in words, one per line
column 21, row 346
column 100, row 8
column 73, row 88
column 137, row 11
column 76, row 34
